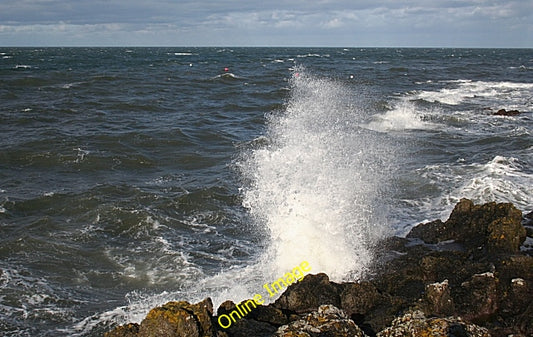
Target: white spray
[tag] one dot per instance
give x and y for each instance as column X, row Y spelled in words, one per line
column 316, row 185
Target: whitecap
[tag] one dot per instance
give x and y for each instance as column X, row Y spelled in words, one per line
column 404, row 116
column 481, row 92
column 502, row 179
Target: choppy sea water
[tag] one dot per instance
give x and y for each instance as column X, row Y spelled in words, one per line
column 130, row 177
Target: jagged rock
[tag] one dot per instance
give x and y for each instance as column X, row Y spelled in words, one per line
column 179, row 319
column 260, row 322
column 308, row 294
column 173, row 319
column 478, row 298
column 439, row 299
column 489, row 228
column 326, row 321
column 366, row 306
column 482, row 277
column 359, row 298
column 415, row 324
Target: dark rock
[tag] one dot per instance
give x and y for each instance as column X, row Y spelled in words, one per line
column 308, row 294
column 489, row 228
column 250, row 327
column 326, row 321
column 516, row 289
column 478, row 298
column 359, row 298
column 503, row 112
column 269, row 314
column 261, row 321
column 431, row 232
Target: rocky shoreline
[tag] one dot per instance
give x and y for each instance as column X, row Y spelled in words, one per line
column 471, row 275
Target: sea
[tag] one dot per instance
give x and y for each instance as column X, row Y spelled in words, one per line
column 130, row 177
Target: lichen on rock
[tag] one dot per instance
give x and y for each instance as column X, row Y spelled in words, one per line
column 328, row 320
column 415, row 324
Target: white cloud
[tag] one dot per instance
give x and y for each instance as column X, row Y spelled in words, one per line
column 324, row 22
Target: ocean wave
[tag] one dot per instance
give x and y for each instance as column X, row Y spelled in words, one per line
column 502, row 179
column 504, row 93
column 403, row 116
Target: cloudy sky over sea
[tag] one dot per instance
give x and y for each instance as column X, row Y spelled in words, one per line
column 410, row 23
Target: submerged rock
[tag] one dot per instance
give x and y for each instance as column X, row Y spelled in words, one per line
column 503, row 112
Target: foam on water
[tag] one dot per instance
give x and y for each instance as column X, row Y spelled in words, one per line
column 404, row 116
column 502, row 179
column 516, row 94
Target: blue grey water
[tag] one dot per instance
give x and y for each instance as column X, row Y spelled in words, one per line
column 134, row 176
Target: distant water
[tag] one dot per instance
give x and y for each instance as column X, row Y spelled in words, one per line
column 132, row 177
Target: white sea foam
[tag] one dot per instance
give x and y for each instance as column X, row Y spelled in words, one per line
column 502, row 179
column 404, row 116
column 482, row 92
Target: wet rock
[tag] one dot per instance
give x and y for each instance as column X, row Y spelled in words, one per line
column 179, row 319
column 173, row 319
column 326, row 321
column 503, row 112
column 415, row 324
column 528, row 219
column 490, row 228
column 366, row 306
column 308, row 294
column 261, row 321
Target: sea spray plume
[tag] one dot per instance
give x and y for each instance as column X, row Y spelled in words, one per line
column 315, row 185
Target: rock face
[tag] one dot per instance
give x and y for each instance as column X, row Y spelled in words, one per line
column 466, row 276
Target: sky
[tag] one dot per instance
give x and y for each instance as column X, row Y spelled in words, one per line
column 309, row 23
